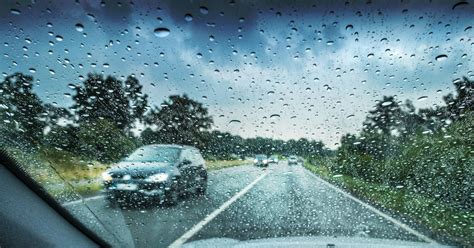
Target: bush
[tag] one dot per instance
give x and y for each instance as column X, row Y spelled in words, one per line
column 104, row 142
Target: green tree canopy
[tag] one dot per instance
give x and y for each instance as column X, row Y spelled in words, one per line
column 21, row 109
column 110, row 99
column 180, row 120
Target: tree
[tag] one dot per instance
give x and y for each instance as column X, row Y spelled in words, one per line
column 180, row 120
column 110, row 99
column 22, row 109
column 384, row 118
column 103, row 141
column 53, row 115
column 457, row 106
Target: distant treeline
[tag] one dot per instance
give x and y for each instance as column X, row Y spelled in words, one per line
column 100, row 123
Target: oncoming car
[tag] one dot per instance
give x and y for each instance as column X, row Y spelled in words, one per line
column 159, row 173
column 293, row 160
column 273, row 159
column 261, row 160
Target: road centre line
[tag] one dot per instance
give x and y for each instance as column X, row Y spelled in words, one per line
column 196, row 228
column 376, row 211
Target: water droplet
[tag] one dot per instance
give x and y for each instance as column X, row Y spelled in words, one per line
column 15, row 11
column 388, row 103
column 59, row 38
column 349, row 27
column 91, row 17
column 422, row 98
column 330, row 43
column 203, row 10
column 161, row 32
column 188, row 17
column 274, row 116
column 79, row 27
column 460, row 4
column 32, row 70
column 234, row 121
column 441, row 57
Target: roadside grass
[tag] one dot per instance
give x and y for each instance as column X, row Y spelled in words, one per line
column 439, row 217
column 89, row 188
column 70, row 167
column 221, row 164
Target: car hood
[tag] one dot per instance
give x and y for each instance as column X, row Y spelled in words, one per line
column 140, row 169
column 312, row 242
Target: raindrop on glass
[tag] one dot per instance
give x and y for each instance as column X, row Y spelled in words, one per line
column 15, row 11
column 441, row 57
column 79, row 27
column 161, row 32
column 188, row 17
column 203, row 10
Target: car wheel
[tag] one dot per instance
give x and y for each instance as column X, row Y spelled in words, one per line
column 202, row 187
column 112, row 201
column 171, row 197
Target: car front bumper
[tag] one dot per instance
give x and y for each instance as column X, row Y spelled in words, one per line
column 135, row 188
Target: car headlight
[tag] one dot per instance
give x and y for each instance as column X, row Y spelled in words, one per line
column 265, row 161
column 160, row 177
column 255, row 160
column 106, row 176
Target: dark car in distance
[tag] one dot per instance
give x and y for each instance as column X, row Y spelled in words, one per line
column 273, row 159
column 156, row 173
column 261, row 160
column 292, row 160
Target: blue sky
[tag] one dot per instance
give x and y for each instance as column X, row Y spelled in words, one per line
column 319, row 67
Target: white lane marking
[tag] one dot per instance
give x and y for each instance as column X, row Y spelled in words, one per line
column 191, row 232
column 394, row 221
column 84, row 200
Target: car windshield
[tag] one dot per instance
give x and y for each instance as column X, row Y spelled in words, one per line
column 366, row 106
column 154, row 154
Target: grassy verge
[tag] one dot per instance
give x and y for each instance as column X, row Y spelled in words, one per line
column 221, row 164
column 438, row 217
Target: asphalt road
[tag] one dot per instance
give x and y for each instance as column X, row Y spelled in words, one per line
column 245, row 203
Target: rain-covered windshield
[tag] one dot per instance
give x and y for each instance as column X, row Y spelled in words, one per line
column 154, row 154
column 367, row 106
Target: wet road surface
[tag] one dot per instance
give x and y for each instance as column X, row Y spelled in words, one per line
column 245, row 203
